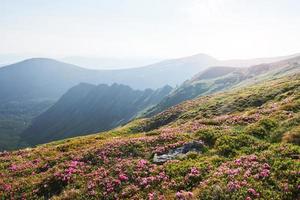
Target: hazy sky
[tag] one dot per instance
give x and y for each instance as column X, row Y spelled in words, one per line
column 150, row 28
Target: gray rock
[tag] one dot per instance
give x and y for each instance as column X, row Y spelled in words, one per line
column 195, row 146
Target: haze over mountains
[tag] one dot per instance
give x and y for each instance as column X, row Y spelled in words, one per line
column 48, row 78
column 108, row 63
column 30, row 87
column 216, row 79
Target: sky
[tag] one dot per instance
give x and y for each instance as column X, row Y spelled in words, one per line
column 225, row 29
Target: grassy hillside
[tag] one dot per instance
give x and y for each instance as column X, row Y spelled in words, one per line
column 216, row 79
column 241, row 144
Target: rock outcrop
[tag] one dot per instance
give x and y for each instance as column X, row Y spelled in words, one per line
column 195, row 146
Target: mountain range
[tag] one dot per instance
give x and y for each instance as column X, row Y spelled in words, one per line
column 31, row 87
column 48, row 78
column 86, row 109
column 216, row 79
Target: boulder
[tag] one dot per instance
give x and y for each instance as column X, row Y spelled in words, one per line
column 195, row 146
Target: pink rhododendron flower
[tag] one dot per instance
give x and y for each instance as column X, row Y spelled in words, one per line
column 151, row 196
column 253, row 192
column 123, row 177
column 13, row 167
column 183, row 195
column 233, row 185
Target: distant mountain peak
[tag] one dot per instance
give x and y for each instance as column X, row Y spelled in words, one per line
column 41, row 60
column 213, row 72
column 202, row 55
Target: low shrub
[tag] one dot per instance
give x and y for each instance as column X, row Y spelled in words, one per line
column 229, row 145
column 292, row 106
column 208, row 136
column 262, row 129
column 292, row 136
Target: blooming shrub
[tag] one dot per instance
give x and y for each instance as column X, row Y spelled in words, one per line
column 249, row 177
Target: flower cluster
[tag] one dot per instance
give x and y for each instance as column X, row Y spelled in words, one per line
column 247, row 177
column 74, row 167
column 184, row 195
column 237, row 119
column 194, row 173
column 130, row 175
column 253, row 193
column 25, row 165
column 247, row 166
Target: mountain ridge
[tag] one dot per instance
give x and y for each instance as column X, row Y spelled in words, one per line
column 87, row 108
column 216, row 79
